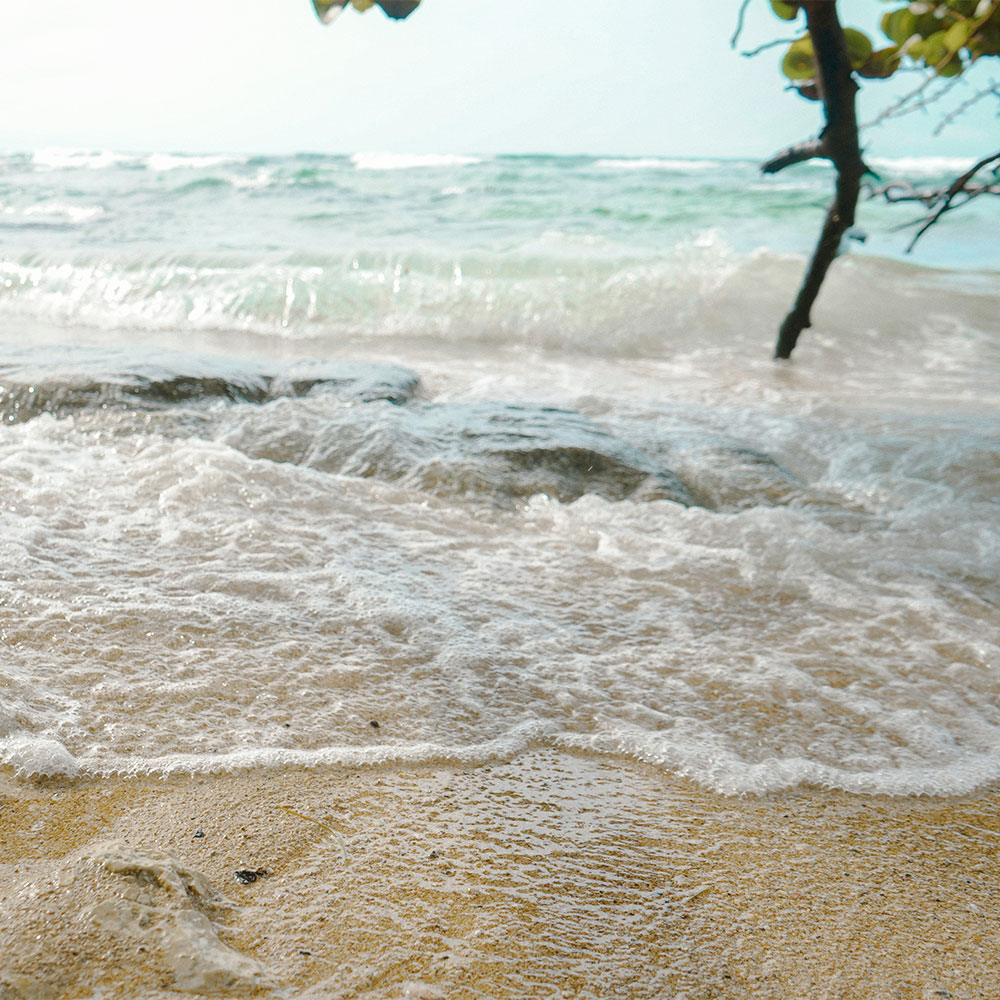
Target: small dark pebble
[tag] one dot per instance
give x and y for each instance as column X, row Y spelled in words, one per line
column 198, row 833
column 373, row 724
column 248, row 875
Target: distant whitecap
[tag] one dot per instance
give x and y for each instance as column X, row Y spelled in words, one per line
column 64, row 158
column 179, row 161
column 410, row 161
column 654, row 163
column 922, row 164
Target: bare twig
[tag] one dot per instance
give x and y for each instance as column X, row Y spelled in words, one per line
column 940, row 200
column 897, row 192
column 750, row 53
column 959, row 183
column 993, row 88
column 928, row 197
column 959, row 186
column 739, row 23
column 909, row 102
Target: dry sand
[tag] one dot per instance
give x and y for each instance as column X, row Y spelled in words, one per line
column 555, row 875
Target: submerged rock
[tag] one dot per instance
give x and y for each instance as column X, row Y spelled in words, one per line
column 728, row 476
column 521, row 451
column 84, row 379
column 491, row 450
column 305, row 413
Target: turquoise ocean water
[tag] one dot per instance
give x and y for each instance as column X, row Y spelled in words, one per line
column 491, row 451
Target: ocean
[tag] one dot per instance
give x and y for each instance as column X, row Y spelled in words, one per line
column 376, row 458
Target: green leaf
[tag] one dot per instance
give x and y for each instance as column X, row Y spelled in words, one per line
column 953, row 67
column 881, row 64
column 927, row 24
column 800, row 60
column 398, row 9
column 933, row 50
column 986, row 42
column 899, row 25
column 859, row 47
column 327, row 10
column 786, row 11
column 958, row 35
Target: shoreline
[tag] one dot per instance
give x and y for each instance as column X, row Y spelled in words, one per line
column 554, row 874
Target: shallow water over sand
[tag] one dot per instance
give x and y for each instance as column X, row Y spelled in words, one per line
column 543, row 489
column 552, row 875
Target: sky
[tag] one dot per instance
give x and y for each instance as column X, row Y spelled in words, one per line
column 636, row 77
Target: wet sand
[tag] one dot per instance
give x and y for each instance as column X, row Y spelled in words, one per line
column 555, row 875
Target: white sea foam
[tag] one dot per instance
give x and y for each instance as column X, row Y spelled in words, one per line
column 270, row 606
column 65, row 158
column 773, row 186
column 61, row 211
column 38, row 757
column 606, row 304
column 262, row 178
column 189, row 161
column 922, row 165
column 200, row 573
column 31, row 756
column 655, row 163
column 411, row 161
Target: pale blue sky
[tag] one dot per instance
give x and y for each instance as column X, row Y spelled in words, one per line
column 565, row 76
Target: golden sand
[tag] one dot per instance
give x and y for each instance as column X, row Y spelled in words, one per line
column 555, row 875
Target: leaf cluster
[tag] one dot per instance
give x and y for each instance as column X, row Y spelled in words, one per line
column 942, row 36
column 327, row 10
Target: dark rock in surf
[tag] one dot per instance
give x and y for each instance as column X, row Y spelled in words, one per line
column 79, row 379
column 729, row 476
column 493, row 451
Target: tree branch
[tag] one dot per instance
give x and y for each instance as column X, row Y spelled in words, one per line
column 837, row 89
column 957, row 187
column 798, row 153
column 896, row 192
column 940, row 200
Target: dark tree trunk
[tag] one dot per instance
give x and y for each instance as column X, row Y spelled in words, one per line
column 839, row 142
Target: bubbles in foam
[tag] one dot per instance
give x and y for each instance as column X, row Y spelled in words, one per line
column 30, row 756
